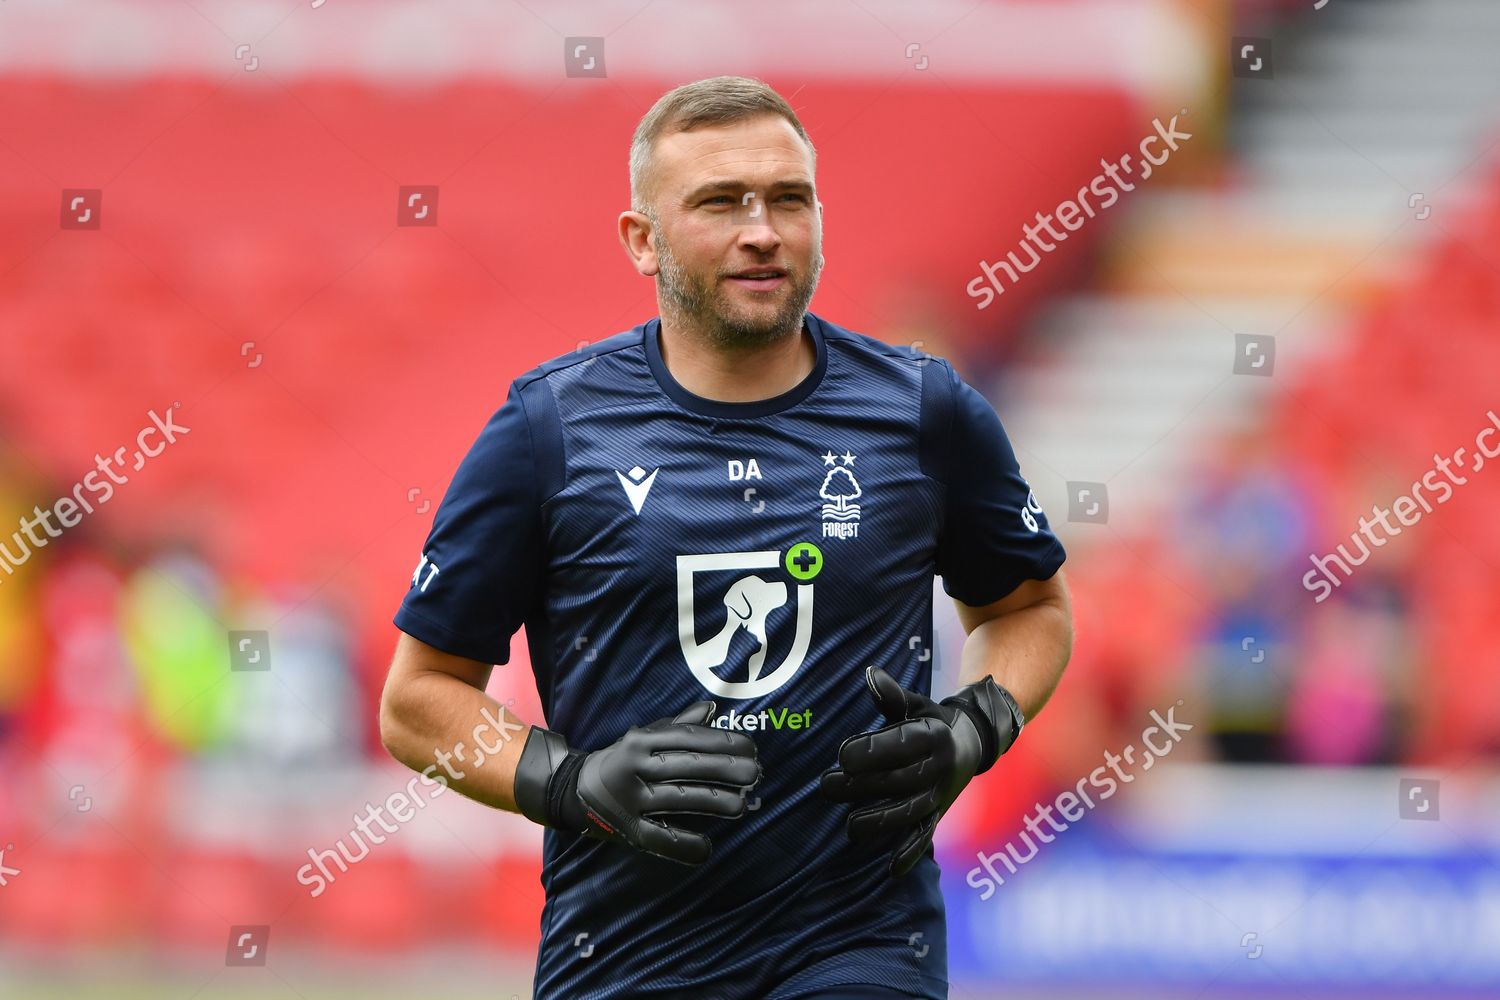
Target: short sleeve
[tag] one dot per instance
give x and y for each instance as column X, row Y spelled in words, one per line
column 478, row 575
column 995, row 535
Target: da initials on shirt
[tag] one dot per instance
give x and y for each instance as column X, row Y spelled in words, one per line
column 739, row 470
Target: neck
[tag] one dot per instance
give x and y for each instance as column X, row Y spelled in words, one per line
column 736, row 376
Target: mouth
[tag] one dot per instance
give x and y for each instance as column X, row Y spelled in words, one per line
column 760, row 279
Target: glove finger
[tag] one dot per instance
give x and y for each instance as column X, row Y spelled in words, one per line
column 702, row 768
column 833, row 784
column 673, row 843
column 866, row 786
column 693, row 799
column 696, row 714
column 914, row 847
column 882, row 818
column 696, row 739
column 894, row 746
column 890, row 696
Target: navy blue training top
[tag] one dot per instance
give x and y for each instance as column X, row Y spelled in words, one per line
column 661, row 548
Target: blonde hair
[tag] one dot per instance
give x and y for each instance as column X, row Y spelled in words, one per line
column 718, row 100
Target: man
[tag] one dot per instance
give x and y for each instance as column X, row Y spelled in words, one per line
column 720, row 530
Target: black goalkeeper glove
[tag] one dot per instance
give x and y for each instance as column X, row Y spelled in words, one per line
column 676, row 766
column 907, row 774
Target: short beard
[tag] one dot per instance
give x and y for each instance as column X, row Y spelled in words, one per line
column 702, row 304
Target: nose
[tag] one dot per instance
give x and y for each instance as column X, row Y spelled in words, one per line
column 755, row 230
column 761, row 237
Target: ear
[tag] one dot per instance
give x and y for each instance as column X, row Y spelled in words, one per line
column 636, row 237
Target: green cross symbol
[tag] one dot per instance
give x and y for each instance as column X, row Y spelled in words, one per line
column 804, row 560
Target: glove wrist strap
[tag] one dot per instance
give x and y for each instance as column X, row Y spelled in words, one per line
column 565, row 809
column 547, row 781
column 994, row 713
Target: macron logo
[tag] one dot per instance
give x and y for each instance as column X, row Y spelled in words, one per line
column 638, row 485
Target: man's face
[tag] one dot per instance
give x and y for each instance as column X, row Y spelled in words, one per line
column 729, row 201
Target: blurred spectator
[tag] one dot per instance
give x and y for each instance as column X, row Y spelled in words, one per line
column 1346, row 705
column 1245, row 525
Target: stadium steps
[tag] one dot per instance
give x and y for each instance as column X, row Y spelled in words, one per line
column 1128, row 386
column 1132, row 384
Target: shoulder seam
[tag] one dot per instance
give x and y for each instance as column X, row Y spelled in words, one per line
column 539, row 475
column 935, row 463
column 530, row 447
column 558, row 364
